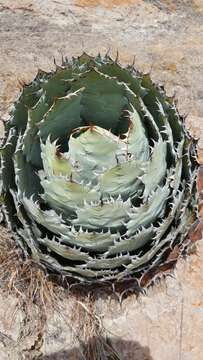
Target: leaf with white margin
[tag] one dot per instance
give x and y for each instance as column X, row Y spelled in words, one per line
column 137, row 142
column 138, row 261
column 9, row 210
column 26, row 178
column 147, row 213
column 29, row 232
column 23, row 217
column 141, row 238
column 94, row 149
column 178, row 167
column 54, row 163
column 122, row 179
column 105, row 263
column 103, row 98
column 31, row 140
column 65, row 251
column 66, row 195
column 190, row 201
column 7, row 168
column 106, row 214
column 164, row 120
column 150, row 124
column 81, row 274
column 48, row 218
column 166, row 222
column 62, row 117
column 186, row 161
column 69, row 235
column 93, row 241
column 156, row 167
column 27, row 237
column 123, row 75
column 171, row 111
column 174, row 120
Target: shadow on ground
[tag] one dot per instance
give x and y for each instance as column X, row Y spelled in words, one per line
column 117, row 350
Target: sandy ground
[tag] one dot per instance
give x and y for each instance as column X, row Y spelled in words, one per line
column 166, row 38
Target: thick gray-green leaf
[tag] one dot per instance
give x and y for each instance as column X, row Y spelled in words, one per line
column 147, row 213
column 65, row 251
column 141, row 238
column 154, row 101
column 62, row 118
column 93, row 150
column 27, row 99
column 56, row 85
column 7, row 167
column 31, row 141
column 138, row 261
column 81, row 274
column 93, row 241
column 69, row 235
column 166, row 222
column 137, row 142
column 9, row 210
column 107, row 214
column 122, row 179
column 165, row 129
column 174, row 121
column 27, row 180
column 48, row 218
column 151, row 127
column 103, row 99
column 176, row 177
column 54, row 162
column 28, row 237
column 67, row 195
column 123, row 75
column 105, row 263
column 156, row 168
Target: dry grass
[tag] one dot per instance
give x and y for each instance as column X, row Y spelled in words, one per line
column 22, row 277
column 32, row 285
column 29, row 285
column 91, row 335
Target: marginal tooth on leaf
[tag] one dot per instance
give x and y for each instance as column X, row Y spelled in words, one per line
column 85, row 203
column 119, row 198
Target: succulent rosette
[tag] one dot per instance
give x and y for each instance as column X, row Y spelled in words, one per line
column 97, row 171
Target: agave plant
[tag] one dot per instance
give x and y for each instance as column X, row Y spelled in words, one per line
column 97, row 171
